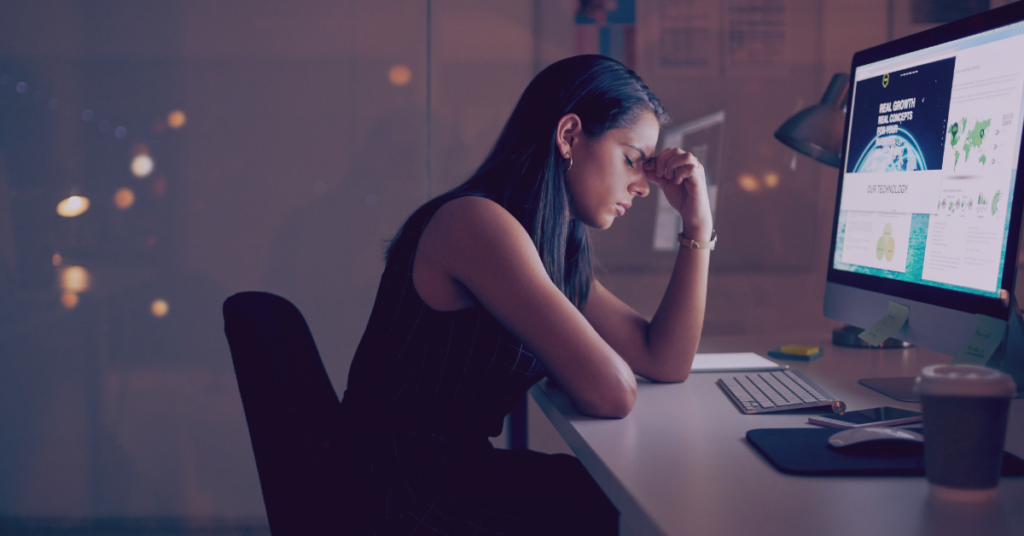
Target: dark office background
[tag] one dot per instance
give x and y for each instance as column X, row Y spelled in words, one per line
column 257, row 145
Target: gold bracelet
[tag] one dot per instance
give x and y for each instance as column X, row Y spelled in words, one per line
column 689, row 243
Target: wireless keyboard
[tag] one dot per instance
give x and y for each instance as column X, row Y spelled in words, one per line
column 777, row 391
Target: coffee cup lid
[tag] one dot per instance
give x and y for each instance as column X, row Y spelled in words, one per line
column 964, row 380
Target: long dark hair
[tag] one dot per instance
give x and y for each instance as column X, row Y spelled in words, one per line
column 525, row 172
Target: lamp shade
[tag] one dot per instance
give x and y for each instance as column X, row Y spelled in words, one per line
column 818, row 131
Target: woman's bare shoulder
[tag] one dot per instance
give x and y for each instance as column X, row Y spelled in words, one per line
column 475, row 219
column 467, row 241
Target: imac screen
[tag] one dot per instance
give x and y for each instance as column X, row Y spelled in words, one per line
column 930, row 163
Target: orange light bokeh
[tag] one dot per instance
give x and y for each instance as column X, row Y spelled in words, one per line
column 400, row 75
column 159, row 308
column 69, row 300
column 124, row 198
column 176, row 119
column 74, row 279
column 749, row 183
column 73, row 206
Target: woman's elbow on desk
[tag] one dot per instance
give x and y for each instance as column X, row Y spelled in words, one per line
column 609, row 405
column 669, row 377
column 676, row 371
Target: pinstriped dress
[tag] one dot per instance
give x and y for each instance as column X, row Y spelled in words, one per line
column 425, row 390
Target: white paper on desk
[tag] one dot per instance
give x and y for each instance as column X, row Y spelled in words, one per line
column 740, row 361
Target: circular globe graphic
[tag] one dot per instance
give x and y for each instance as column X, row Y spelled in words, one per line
column 895, row 152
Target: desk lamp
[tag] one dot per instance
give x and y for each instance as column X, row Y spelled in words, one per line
column 818, row 133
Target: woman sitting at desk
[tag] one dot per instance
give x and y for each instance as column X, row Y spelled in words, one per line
column 490, row 287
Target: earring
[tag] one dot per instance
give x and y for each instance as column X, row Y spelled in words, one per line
column 570, row 163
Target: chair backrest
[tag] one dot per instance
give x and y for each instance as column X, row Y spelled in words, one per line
column 292, row 413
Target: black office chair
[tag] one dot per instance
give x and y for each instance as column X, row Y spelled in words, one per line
column 291, row 410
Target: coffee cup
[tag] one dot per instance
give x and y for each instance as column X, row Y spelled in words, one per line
column 964, row 413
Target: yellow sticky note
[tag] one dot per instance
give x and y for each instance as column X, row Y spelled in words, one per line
column 887, row 326
column 988, row 333
column 799, row 349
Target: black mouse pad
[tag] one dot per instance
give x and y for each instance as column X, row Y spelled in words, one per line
column 805, row 451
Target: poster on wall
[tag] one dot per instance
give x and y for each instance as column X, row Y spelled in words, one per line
column 608, row 28
column 687, row 36
column 756, row 37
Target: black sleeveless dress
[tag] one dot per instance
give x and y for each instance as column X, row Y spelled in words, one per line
column 425, row 390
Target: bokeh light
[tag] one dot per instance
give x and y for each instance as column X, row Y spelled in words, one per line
column 69, row 300
column 57, row 260
column 73, row 206
column 142, row 165
column 176, row 119
column 771, row 179
column 159, row 308
column 120, row 132
column 74, row 279
column 159, row 186
column 124, row 198
column 399, row 75
column 749, row 183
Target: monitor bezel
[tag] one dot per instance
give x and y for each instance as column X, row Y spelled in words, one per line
column 961, row 301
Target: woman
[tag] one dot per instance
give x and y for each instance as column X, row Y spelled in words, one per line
column 489, row 287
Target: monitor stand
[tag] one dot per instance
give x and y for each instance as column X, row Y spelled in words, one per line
column 1009, row 358
column 849, row 336
column 901, row 389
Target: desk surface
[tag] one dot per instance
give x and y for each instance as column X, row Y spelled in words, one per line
column 680, row 463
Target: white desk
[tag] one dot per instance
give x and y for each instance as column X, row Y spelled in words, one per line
column 680, row 462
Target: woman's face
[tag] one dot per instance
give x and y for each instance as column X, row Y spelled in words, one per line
column 607, row 171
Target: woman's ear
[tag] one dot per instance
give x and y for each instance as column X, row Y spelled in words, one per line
column 569, row 128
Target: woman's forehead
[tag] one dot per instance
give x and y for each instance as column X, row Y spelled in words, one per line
column 642, row 135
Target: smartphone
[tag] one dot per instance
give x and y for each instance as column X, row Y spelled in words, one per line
column 884, row 416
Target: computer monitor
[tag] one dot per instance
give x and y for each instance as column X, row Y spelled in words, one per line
column 928, row 212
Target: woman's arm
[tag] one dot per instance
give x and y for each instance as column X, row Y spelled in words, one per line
column 663, row 348
column 473, row 250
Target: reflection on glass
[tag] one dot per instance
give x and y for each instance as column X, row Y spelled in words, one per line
column 73, row 206
column 159, row 308
column 142, row 165
column 399, row 75
column 74, row 279
column 124, row 198
column 176, row 119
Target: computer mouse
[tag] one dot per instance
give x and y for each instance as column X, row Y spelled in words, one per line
column 854, row 436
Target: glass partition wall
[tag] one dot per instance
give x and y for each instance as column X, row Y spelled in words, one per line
column 157, row 157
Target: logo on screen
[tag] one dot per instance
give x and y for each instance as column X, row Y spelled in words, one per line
column 885, row 80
